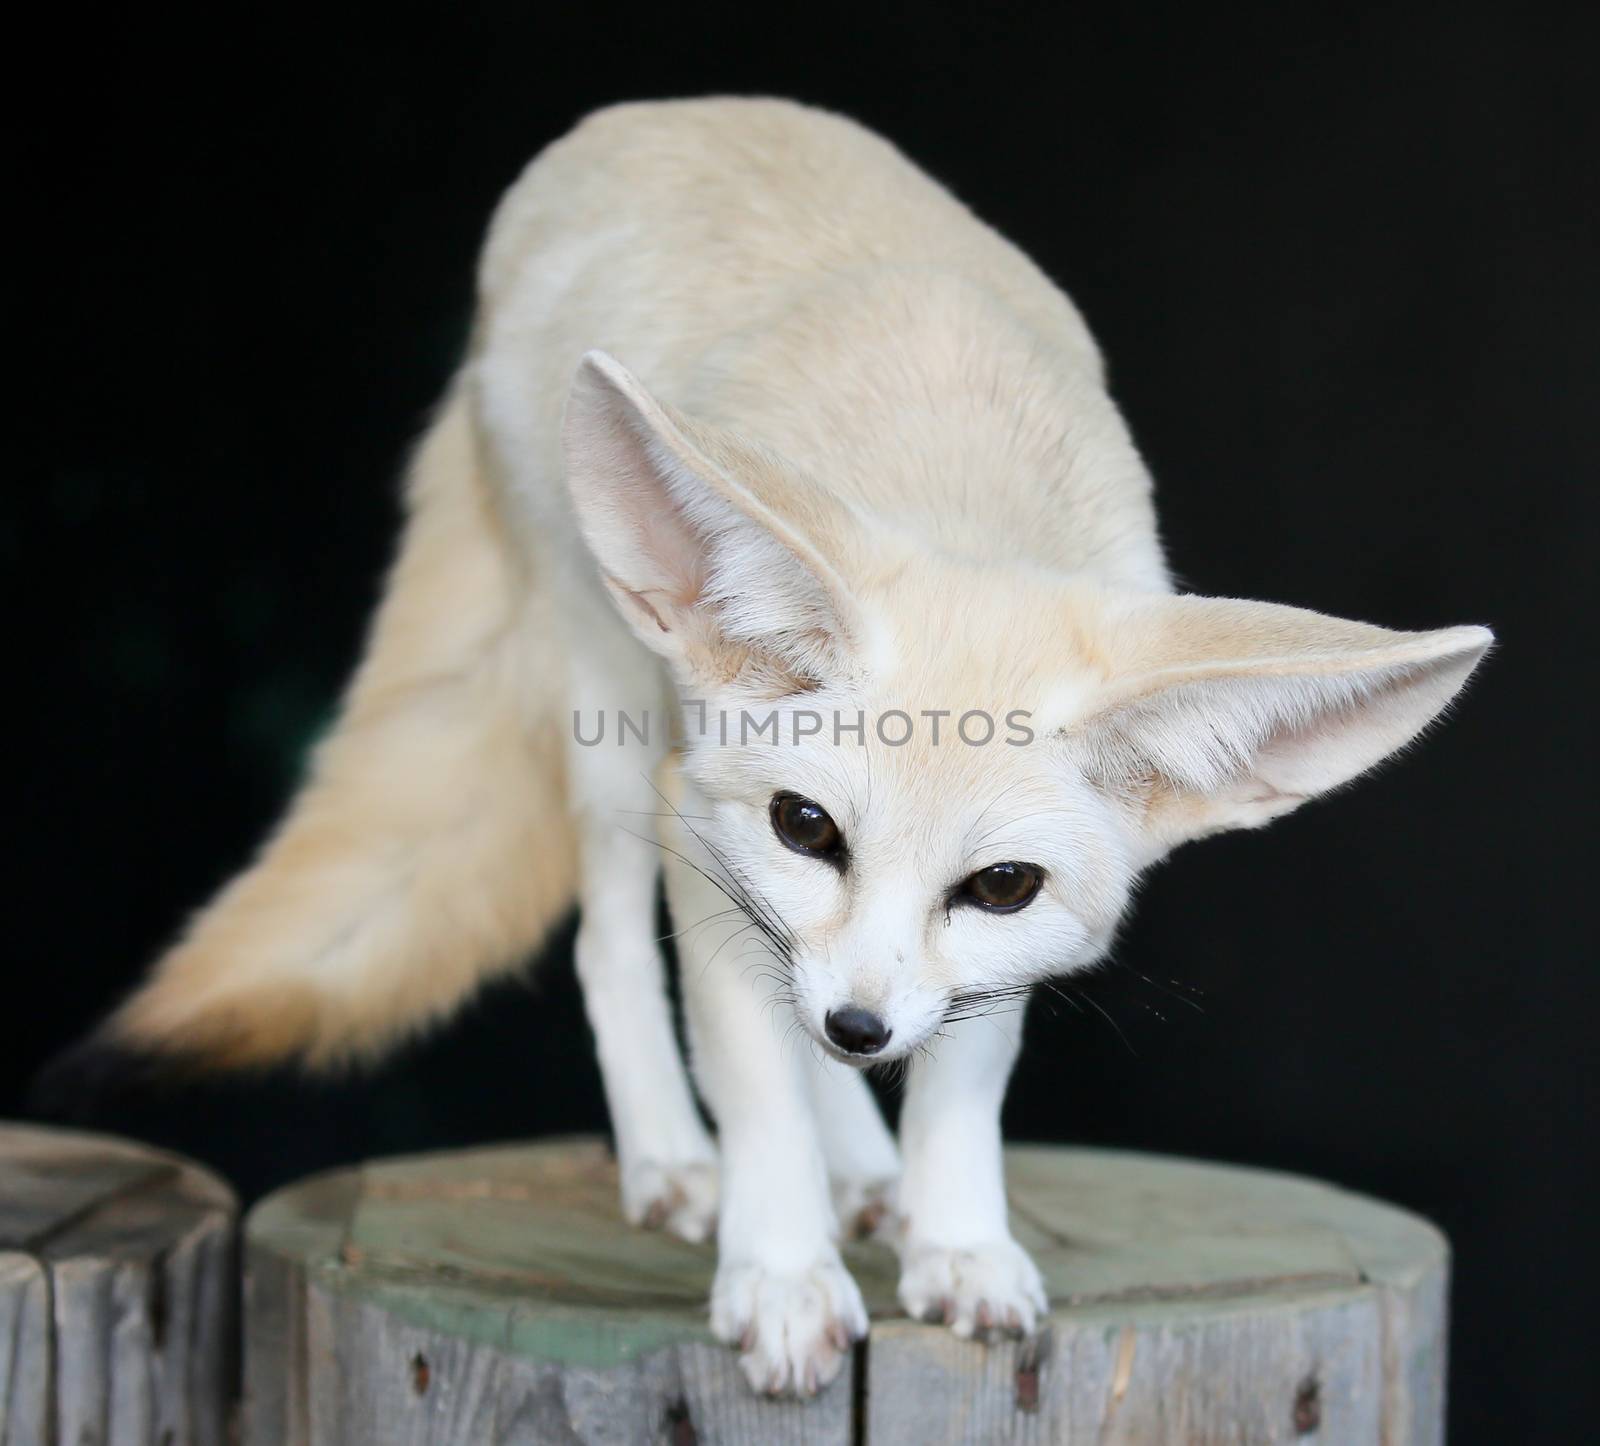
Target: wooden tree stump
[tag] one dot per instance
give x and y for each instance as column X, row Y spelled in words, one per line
column 118, row 1294
column 496, row 1295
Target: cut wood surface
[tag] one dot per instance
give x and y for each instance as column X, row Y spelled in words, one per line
column 496, row 1295
column 118, row 1294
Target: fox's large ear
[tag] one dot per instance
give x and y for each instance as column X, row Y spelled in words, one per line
column 1221, row 714
column 708, row 573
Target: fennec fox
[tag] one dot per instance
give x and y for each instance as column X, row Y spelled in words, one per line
column 859, row 521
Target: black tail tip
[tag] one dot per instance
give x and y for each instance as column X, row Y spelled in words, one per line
column 87, row 1082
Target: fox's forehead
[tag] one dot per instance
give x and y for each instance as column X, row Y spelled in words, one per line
column 912, row 778
column 949, row 636
column 942, row 740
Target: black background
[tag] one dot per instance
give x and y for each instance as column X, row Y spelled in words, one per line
column 1344, row 269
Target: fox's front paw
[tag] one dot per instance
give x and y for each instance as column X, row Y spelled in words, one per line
column 678, row 1197
column 866, row 1209
column 793, row 1328
column 977, row 1291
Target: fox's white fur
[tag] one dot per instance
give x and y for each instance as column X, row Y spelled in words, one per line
column 861, row 463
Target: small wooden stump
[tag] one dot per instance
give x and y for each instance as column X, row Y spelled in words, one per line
column 496, row 1295
column 118, row 1294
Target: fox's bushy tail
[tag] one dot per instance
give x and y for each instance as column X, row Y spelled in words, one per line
column 429, row 847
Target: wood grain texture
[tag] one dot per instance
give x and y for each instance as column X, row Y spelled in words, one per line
column 118, row 1293
column 26, row 1353
column 497, row 1296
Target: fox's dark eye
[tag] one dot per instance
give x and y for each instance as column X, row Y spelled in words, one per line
column 805, row 826
column 1002, row 888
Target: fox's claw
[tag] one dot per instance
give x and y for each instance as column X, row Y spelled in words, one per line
column 986, row 1290
column 793, row 1329
column 679, row 1198
column 865, row 1208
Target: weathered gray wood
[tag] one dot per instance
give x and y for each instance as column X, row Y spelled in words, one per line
column 1191, row 1303
column 118, row 1286
column 489, row 1296
column 496, row 1296
column 25, row 1351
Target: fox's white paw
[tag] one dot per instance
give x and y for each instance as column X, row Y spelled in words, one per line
column 987, row 1288
column 680, row 1197
column 866, row 1209
column 793, row 1329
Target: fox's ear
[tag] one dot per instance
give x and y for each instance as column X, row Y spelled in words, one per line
column 707, row 572
column 1220, row 714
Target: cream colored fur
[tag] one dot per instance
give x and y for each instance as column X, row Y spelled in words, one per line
column 860, row 459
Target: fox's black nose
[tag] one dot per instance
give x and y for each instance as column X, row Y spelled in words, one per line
column 856, row 1031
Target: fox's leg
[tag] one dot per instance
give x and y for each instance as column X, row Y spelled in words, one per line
column 781, row 1293
column 958, row 1262
column 863, row 1163
column 664, row 1154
